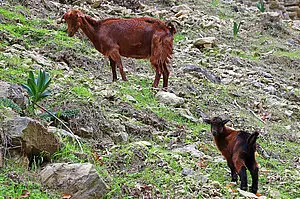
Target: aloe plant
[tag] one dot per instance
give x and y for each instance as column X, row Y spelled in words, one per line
column 261, row 5
column 37, row 90
column 236, row 29
column 37, row 87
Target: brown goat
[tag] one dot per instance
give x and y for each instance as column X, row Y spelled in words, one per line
column 140, row 38
column 238, row 147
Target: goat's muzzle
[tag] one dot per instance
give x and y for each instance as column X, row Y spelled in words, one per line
column 215, row 133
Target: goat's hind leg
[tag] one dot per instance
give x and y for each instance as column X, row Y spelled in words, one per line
column 157, row 77
column 166, row 74
column 254, row 175
column 113, row 69
column 243, row 177
column 234, row 176
column 240, row 167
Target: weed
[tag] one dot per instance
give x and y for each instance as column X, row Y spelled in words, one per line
column 236, row 29
column 4, row 102
column 215, row 3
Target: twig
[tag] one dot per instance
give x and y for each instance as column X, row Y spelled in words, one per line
column 70, row 131
column 1, row 158
column 256, row 116
column 235, row 102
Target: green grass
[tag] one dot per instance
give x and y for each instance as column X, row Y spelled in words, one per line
column 82, row 92
column 289, row 54
column 15, row 179
column 31, row 31
column 13, row 15
column 179, row 37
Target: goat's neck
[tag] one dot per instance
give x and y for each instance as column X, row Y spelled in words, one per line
column 88, row 26
column 221, row 139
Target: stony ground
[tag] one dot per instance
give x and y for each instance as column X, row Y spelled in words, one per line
column 148, row 149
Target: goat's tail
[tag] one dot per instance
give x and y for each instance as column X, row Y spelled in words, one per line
column 252, row 140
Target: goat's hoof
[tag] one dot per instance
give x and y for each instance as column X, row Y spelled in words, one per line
column 244, row 188
column 253, row 190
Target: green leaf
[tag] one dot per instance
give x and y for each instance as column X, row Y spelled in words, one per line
column 40, row 80
column 45, row 94
column 45, row 85
column 28, row 89
column 31, row 84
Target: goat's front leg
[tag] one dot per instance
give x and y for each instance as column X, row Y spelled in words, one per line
column 234, row 177
column 113, row 68
column 115, row 56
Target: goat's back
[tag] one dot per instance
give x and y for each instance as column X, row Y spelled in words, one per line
column 133, row 36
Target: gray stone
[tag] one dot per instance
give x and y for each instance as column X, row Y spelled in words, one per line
column 78, row 180
column 190, row 149
column 169, row 98
column 270, row 89
column 205, row 42
column 13, row 92
column 30, row 135
column 187, row 114
column 186, row 172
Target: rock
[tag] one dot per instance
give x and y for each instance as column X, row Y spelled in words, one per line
column 119, row 134
column 216, row 184
column 169, row 98
column 270, row 89
column 190, row 149
column 13, row 92
column 187, row 114
column 180, row 8
column 96, row 4
column 271, row 16
column 205, row 42
column 288, row 113
column 60, row 132
column 30, row 135
column 143, row 143
column 186, row 172
column 40, row 60
column 131, row 99
column 78, row 180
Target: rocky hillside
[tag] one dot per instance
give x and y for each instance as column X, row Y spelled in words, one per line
column 139, row 142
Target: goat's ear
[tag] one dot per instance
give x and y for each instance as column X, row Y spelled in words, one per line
column 79, row 14
column 207, row 121
column 225, row 121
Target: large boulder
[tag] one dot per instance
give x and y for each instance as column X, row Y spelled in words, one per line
column 12, row 92
column 78, row 180
column 169, row 98
column 30, row 136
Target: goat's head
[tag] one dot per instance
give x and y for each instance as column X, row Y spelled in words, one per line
column 217, row 125
column 74, row 21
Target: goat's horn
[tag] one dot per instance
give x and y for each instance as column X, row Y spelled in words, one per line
column 62, row 20
column 172, row 21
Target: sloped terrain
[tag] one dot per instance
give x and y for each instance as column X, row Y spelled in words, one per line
column 143, row 147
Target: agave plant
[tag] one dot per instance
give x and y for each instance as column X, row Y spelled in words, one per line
column 36, row 87
column 261, row 5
